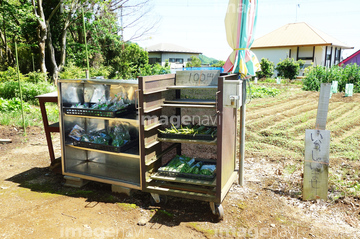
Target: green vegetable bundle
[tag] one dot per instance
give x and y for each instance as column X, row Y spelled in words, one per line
column 190, row 130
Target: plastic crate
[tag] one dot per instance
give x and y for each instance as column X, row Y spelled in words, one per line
column 109, row 148
column 188, row 175
column 99, row 113
column 208, row 137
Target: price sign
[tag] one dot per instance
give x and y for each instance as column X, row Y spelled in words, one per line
column 197, row 78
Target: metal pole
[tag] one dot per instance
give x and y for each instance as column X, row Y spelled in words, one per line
column 21, row 99
column 32, row 57
column 242, row 134
column 86, row 50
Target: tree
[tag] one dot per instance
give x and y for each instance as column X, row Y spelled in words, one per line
column 195, row 62
column 54, row 30
column 217, row 63
column 133, row 14
column 15, row 22
column 128, row 60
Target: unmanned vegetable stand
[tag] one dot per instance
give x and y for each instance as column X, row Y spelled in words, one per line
column 158, row 102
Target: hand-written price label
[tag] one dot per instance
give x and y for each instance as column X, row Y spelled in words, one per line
column 197, row 78
column 316, row 167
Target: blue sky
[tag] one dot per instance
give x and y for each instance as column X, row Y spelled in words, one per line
column 199, row 24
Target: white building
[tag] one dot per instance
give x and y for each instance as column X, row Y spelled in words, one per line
column 301, row 42
column 178, row 56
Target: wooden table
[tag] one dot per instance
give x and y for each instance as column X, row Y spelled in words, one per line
column 49, row 128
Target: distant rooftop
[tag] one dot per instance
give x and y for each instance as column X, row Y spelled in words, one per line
column 348, row 59
column 297, row 34
column 167, row 47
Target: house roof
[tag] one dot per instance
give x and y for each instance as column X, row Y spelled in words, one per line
column 167, row 47
column 297, row 34
column 349, row 58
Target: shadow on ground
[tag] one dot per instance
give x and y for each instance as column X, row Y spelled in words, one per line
column 170, row 213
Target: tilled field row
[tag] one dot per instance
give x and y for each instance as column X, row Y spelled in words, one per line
column 276, row 127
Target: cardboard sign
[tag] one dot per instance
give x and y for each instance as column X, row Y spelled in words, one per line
column 197, row 78
column 316, row 166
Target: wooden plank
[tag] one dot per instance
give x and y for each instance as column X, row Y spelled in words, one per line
column 323, row 106
column 316, row 166
column 228, row 184
column 152, row 127
column 179, row 87
column 152, row 109
column 147, row 146
column 197, row 78
column 5, row 140
column 188, row 106
column 157, row 77
column 190, row 101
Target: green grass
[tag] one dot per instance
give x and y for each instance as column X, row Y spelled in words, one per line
column 32, row 116
column 264, row 91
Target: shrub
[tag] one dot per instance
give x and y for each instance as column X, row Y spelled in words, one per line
column 35, row 77
column 72, row 72
column 10, row 75
column 289, row 68
column 13, row 104
column 156, row 69
column 267, row 69
column 10, row 89
column 314, row 76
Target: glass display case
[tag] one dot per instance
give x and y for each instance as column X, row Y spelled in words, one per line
column 99, row 127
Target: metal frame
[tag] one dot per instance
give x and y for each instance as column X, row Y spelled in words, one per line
column 120, row 155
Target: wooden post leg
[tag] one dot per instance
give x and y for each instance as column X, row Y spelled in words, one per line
column 47, row 130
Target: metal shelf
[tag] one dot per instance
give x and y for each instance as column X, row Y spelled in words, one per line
column 131, row 153
column 105, row 173
column 131, row 118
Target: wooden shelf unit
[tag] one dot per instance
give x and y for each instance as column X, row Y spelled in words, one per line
column 162, row 94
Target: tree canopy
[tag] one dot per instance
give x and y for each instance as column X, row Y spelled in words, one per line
column 52, row 34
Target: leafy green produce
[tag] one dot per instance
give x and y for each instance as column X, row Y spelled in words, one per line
column 190, row 130
column 183, row 164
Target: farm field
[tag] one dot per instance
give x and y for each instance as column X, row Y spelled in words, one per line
column 34, row 203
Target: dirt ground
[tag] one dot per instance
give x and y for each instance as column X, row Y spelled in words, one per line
column 34, row 203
